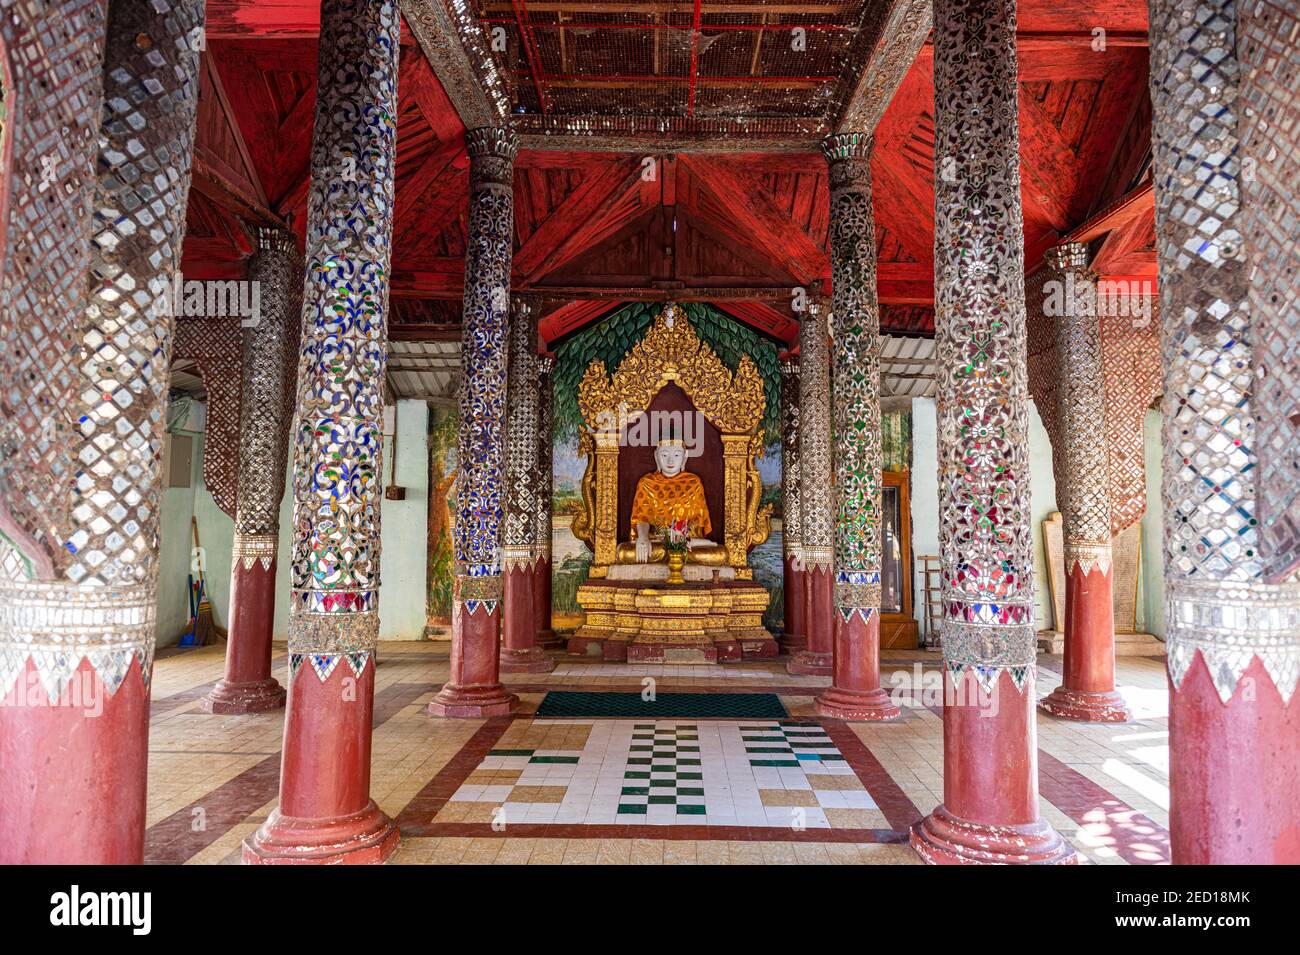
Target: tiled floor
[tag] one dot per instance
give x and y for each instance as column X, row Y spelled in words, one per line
column 739, row 791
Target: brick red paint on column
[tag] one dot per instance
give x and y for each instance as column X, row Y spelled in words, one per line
column 1234, row 772
column 795, row 637
column 542, row 599
column 325, row 812
column 519, row 650
column 474, row 689
column 248, row 686
column 72, row 790
column 855, row 692
column 1087, row 691
column 987, row 780
column 819, row 619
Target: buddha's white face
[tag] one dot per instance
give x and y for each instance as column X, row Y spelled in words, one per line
column 671, row 459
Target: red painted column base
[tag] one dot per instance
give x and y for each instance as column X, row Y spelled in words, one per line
column 943, row 839
column 1087, row 691
column 474, row 690
column 542, row 597
column 527, row 660
column 519, row 650
column 818, row 657
column 232, row 699
column 1086, row 707
column 364, row 838
column 794, row 638
column 247, row 686
column 855, row 692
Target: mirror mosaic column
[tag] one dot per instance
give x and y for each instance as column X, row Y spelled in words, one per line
column 544, row 564
column 1087, row 690
column 325, row 813
column 519, row 650
column 855, row 692
column 990, row 755
column 95, row 219
column 474, row 689
column 816, row 495
column 793, row 638
column 267, row 394
column 1225, row 127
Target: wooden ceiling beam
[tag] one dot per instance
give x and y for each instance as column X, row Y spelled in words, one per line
column 893, row 37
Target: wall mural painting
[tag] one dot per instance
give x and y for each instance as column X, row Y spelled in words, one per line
column 443, row 423
column 610, row 340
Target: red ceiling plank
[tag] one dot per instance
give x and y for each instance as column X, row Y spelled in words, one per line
column 570, row 317
column 416, row 80
column 578, row 223
column 430, row 214
column 763, row 318
column 412, row 189
column 904, row 202
column 1049, row 167
column 735, row 243
column 758, row 217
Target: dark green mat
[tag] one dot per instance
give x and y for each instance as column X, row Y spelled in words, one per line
column 721, row 706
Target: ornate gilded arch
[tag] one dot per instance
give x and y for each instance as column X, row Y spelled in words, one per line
column 733, row 402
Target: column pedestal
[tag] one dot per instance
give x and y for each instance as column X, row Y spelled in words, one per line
column 818, row 656
column 326, row 814
column 985, row 779
column 248, row 686
column 795, row 637
column 73, row 787
column 1087, row 692
column 474, row 690
column 519, row 652
column 855, row 692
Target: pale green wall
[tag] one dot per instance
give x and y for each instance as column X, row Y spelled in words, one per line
column 925, row 497
column 403, row 554
column 1151, row 604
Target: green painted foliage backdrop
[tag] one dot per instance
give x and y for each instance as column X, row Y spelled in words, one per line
column 613, row 337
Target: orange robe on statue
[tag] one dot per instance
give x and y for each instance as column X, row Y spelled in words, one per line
column 660, row 500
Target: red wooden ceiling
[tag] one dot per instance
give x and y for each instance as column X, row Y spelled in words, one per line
column 695, row 221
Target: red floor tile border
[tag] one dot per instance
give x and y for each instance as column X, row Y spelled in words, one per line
column 1133, row 836
column 899, row 810
column 175, row 839
column 417, row 815
column 669, row 833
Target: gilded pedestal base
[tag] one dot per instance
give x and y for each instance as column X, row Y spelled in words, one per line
column 677, row 623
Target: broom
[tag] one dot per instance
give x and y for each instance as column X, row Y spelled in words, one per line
column 204, row 626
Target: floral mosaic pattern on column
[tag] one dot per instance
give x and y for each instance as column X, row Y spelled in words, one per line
column 519, row 531
column 483, row 356
column 545, row 477
column 1218, row 603
column 269, row 347
column 791, row 520
column 816, row 497
column 334, row 578
column 1082, row 491
column 856, row 376
column 985, row 540
column 92, row 532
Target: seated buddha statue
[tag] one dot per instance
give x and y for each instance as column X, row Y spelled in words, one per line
column 667, row 494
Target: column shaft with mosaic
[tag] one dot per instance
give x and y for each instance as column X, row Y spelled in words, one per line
column 816, row 495
column 325, row 813
column 990, row 773
column 1223, row 105
column 101, row 147
column 684, row 499
column 269, row 365
column 793, row 639
column 855, row 692
column 474, row 689
column 519, row 551
column 543, row 567
column 1087, row 690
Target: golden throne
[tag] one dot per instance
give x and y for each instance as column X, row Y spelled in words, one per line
column 631, row 610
